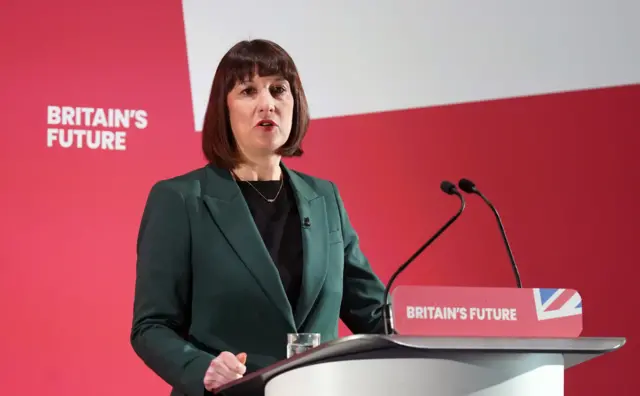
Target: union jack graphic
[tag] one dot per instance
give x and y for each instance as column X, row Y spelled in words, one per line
column 557, row 303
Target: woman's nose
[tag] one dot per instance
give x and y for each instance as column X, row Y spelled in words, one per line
column 266, row 103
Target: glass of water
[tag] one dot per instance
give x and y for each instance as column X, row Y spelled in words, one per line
column 301, row 342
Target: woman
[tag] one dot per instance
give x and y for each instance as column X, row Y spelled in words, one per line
column 235, row 255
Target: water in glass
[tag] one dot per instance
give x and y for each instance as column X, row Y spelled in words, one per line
column 302, row 342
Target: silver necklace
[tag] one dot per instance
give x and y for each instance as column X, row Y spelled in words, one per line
column 270, row 200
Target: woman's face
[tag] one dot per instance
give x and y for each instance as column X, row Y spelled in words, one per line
column 261, row 114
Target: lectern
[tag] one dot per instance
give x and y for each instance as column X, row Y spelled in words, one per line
column 379, row 365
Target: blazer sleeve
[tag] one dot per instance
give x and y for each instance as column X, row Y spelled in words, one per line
column 161, row 310
column 363, row 292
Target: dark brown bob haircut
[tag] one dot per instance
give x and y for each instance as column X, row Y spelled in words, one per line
column 243, row 61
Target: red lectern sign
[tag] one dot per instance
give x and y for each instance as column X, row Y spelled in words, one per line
column 486, row 312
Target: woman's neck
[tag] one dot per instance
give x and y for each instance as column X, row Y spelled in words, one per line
column 267, row 169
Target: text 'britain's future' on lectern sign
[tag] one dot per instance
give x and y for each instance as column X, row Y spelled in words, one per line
column 486, row 311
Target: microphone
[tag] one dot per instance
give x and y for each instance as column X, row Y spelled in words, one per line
column 306, row 222
column 448, row 188
column 470, row 188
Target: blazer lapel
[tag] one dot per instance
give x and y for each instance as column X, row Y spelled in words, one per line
column 229, row 210
column 315, row 244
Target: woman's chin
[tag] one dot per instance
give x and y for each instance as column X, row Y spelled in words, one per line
column 268, row 145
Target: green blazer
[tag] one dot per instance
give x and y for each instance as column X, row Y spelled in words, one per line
column 205, row 282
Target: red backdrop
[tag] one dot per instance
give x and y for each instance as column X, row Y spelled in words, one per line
column 561, row 169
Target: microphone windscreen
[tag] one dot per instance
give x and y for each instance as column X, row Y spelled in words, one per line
column 448, row 187
column 467, row 186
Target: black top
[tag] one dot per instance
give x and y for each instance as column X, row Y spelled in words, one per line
column 280, row 227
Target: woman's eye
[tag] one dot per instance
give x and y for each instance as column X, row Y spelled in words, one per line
column 279, row 90
column 248, row 91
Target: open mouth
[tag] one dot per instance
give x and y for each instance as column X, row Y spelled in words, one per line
column 267, row 123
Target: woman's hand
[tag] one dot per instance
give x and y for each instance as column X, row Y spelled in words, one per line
column 226, row 367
